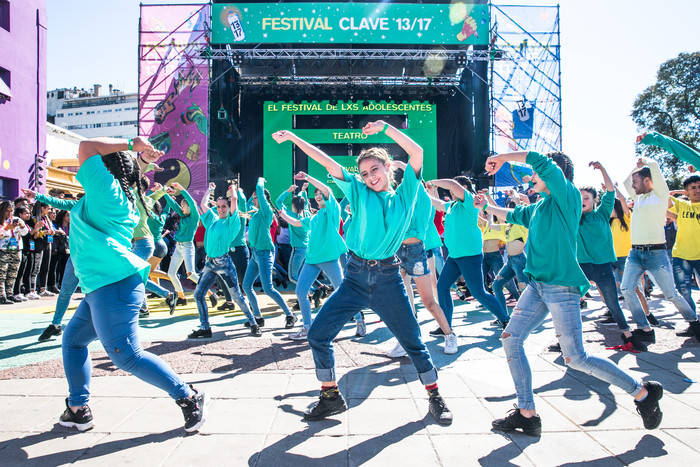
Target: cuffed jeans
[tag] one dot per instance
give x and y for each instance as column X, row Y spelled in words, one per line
column 381, row 289
column 224, row 268
column 602, row 275
column 296, row 261
column 468, row 267
column 261, row 264
column 143, row 248
column 68, row 288
column 184, row 252
column 111, row 314
column 562, row 302
column 657, row 263
column 309, row 273
column 683, row 277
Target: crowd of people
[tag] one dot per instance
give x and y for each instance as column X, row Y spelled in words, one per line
column 546, row 245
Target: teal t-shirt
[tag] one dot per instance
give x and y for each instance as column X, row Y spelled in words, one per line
column 188, row 224
column 219, row 232
column 594, row 242
column 156, row 223
column 553, row 226
column 325, row 242
column 298, row 236
column 462, row 232
column 678, row 149
column 239, row 240
column 380, row 219
column 259, row 226
column 102, row 226
column 432, row 237
column 421, row 215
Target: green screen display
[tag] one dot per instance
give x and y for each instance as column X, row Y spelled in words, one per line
column 278, row 163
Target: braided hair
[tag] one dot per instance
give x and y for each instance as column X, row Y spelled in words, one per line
column 564, row 163
column 122, row 165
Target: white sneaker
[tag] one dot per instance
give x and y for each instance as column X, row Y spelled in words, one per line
column 46, row 293
column 396, row 352
column 21, row 297
column 301, row 335
column 33, row 296
column 361, row 329
column 451, row 346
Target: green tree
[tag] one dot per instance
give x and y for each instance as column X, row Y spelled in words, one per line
column 671, row 106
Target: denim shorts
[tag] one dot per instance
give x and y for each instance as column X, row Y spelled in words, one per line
column 414, row 259
column 161, row 249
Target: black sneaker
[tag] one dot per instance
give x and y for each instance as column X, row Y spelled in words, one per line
column 647, row 336
column 438, row 408
column 693, row 330
column 12, row 299
column 583, row 304
column 226, row 306
column 649, row 408
column 636, row 341
column 530, row 426
column 5, row 301
column 652, row 320
column 330, row 402
column 144, row 313
column 200, row 334
column 49, row 332
column 290, row 320
column 607, row 319
column 214, row 300
column 504, row 324
column 255, row 330
column 260, row 321
column 181, row 301
column 171, row 301
column 554, row 347
column 437, row 332
column 82, row 419
column 296, row 306
column 152, row 296
column 194, row 408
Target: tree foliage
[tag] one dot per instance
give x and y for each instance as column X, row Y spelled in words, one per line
column 671, row 106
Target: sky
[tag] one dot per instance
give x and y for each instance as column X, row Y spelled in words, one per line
column 611, row 51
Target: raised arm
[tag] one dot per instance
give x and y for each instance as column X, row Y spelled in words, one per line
column 623, row 201
column 437, row 203
column 320, row 186
column 609, row 186
column 104, row 146
column 290, row 220
column 414, row 151
column 313, row 152
column 455, row 188
column 480, row 202
column 204, row 204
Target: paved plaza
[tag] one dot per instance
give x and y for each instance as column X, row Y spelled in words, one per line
column 261, row 386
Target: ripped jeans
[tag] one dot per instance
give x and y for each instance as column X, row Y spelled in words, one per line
column 562, row 302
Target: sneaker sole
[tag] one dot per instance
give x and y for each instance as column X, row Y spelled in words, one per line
column 328, row 414
column 79, row 426
column 205, row 403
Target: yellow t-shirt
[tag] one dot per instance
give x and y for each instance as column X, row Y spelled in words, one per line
column 622, row 239
column 516, row 231
column 488, row 233
column 688, row 237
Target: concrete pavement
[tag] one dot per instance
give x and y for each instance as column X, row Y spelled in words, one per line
column 260, row 387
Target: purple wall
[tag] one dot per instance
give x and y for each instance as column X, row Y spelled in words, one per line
column 23, row 118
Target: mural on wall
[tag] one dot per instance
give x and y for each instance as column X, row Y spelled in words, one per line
column 174, row 92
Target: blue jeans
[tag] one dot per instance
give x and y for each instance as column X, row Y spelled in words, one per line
column 261, row 263
column 381, row 289
column 602, row 275
column 618, row 268
column 439, row 260
column 143, row 248
column 223, row 267
column 562, row 302
column 296, row 261
column 513, row 268
column 683, row 277
column 111, row 314
column 468, row 267
column 657, row 263
column 494, row 260
column 160, row 249
column 309, row 273
column 184, row 252
column 69, row 284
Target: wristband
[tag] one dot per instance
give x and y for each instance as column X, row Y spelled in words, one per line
column 383, row 130
column 486, row 206
column 131, row 145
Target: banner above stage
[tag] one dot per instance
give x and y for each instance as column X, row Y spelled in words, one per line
column 350, row 23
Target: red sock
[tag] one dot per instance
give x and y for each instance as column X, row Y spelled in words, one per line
column 324, row 386
column 431, row 387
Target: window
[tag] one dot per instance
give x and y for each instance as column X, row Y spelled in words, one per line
column 5, row 15
column 60, row 115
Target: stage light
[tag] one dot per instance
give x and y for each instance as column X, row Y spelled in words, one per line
column 461, row 60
